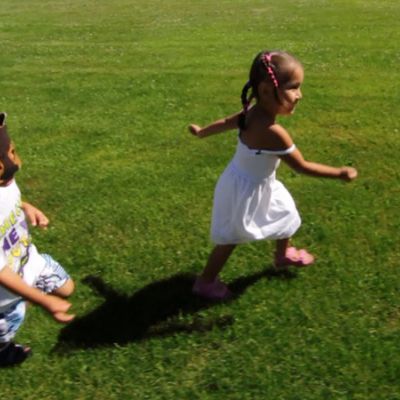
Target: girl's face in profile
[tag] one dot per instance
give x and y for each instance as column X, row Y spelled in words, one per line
column 289, row 94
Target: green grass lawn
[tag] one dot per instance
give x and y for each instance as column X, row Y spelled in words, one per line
column 99, row 95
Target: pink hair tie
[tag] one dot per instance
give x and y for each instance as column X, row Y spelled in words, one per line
column 267, row 61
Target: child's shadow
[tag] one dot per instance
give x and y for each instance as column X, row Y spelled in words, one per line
column 155, row 310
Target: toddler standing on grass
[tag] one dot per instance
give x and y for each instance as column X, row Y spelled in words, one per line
column 24, row 273
column 249, row 202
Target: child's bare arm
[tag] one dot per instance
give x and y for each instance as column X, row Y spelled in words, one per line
column 279, row 139
column 296, row 161
column 34, row 215
column 53, row 304
column 221, row 125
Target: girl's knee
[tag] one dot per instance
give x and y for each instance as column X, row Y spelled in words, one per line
column 65, row 290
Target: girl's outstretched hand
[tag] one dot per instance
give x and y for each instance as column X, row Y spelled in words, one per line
column 194, row 130
column 348, row 173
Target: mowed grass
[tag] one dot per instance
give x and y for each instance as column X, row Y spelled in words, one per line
column 99, row 95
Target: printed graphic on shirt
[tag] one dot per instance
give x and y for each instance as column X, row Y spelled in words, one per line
column 15, row 239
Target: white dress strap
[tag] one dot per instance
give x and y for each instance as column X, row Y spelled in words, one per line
column 264, row 151
column 277, row 152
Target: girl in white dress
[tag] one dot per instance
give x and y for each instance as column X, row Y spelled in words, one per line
column 249, row 203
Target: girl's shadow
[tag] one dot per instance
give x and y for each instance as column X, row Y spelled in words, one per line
column 155, row 310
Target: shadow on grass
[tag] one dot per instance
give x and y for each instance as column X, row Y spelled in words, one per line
column 152, row 311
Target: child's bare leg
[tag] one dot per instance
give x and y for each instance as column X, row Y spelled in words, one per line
column 281, row 247
column 206, row 285
column 217, row 259
column 65, row 290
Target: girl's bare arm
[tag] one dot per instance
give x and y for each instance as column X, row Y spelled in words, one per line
column 296, row 161
column 279, row 139
column 219, row 126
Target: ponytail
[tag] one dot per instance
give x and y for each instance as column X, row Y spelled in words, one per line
column 245, row 104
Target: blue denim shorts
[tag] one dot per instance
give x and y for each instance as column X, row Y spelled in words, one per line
column 52, row 277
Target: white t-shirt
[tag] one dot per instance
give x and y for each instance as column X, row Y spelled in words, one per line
column 16, row 248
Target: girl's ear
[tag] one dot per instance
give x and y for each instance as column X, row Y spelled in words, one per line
column 265, row 90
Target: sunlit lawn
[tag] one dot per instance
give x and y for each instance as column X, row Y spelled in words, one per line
column 99, row 95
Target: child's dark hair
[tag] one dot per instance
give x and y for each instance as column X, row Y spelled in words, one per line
column 275, row 66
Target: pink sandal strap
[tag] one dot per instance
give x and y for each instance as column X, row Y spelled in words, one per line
column 293, row 256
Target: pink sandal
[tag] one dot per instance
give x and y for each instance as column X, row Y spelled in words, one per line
column 215, row 290
column 299, row 258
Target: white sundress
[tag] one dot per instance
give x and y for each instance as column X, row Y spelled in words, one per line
column 249, row 203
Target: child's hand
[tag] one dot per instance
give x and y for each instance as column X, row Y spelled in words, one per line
column 58, row 308
column 195, row 130
column 348, row 173
column 35, row 216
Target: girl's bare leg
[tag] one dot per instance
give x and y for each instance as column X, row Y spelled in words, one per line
column 216, row 261
column 281, row 247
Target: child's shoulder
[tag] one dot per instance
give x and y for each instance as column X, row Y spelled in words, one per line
column 277, row 137
column 267, row 137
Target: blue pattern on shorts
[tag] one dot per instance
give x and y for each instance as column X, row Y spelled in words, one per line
column 11, row 320
column 52, row 277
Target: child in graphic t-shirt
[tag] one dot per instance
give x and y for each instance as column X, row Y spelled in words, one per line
column 24, row 273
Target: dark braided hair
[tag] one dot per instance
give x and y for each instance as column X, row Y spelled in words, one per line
column 245, row 104
column 273, row 66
